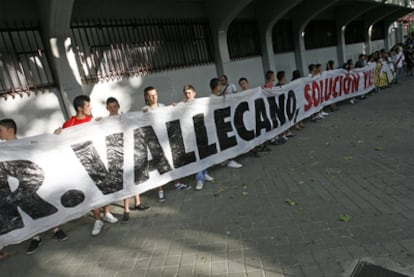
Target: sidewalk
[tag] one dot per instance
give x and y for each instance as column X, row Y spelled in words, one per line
column 277, row 216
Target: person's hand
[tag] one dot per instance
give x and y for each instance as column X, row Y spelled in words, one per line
column 145, row 110
column 58, row 131
column 98, row 118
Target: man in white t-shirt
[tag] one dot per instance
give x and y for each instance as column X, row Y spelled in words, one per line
column 226, row 87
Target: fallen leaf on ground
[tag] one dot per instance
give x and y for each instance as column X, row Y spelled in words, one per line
column 311, row 242
column 217, row 193
column 379, row 148
column 291, row 202
column 348, row 158
column 244, row 193
column 344, row 217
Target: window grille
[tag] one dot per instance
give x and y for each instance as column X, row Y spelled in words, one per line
column 354, row 32
column 24, row 66
column 243, row 39
column 282, row 36
column 320, row 34
column 378, row 31
column 116, row 49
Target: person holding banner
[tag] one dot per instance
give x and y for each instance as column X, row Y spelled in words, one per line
column 244, row 85
column 151, row 101
column 215, row 87
column 112, row 106
column 202, row 176
column 228, row 88
column 8, row 131
column 5, row 133
column 269, row 79
column 82, row 105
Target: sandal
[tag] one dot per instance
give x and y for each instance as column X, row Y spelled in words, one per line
column 3, row 255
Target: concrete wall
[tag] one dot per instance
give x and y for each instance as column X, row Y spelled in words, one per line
column 285, row 62
column 250, row 68
column 377, row 45
column 34, row 115
column 169, row 84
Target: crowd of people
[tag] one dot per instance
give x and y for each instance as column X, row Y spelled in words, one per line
column 388, row 69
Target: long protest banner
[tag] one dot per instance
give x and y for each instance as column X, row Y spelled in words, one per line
column 48, row 180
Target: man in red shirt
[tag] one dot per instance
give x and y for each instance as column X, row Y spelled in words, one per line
column 83, row 109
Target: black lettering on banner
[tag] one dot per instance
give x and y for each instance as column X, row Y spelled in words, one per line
column 145, row 139
column 175, row 135
column 72, row 198
column 262, row 121
column 107, row 181
column 30, row 177
column 291, row 105
column 277, row 112
column 204, row 149
column 223, row 128
column 239, row 123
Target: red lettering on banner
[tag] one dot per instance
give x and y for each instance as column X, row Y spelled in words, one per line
column 346, row 85
column 316, row 94
column 355, row 83
column 368, row 78
column 308, row 97
column 328, row 89
column 335, row 86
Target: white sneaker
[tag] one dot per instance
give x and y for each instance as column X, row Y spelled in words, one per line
column 97, row 227
column 352, row 101
column 181, row 186
column 161, row 196
column 199, row 185
column 110, row 218
column 208, row 177
column 234, row 164
column 320, row 116
column 324, row 113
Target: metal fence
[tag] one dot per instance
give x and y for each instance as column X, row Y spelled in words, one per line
column 116, row 49
column 243, row 39
column 24, row 67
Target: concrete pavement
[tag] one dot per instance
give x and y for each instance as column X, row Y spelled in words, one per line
column 340, row 191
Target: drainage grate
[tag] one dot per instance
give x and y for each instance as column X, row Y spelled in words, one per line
column 364, row 269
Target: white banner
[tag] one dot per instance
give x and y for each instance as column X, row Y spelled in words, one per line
column 48, row 180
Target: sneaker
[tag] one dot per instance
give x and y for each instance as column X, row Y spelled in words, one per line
column 320, row 116
column 141, row 207
column 234, row 164
column 181, row 186
column 263, row 148
column 34, row 244
column 290, row 134
column 3, row 255
column 60, row 235
column 161, row 196
column 284, row 139
column 352, row 101
column 97, row 227
column 110, row 218
column 254, row 153
column 324, row 113
column 274, row 141
column 199, row 185
column 208, row 178
column 125, row 217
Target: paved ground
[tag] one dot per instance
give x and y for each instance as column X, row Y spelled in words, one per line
column 358, row 162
